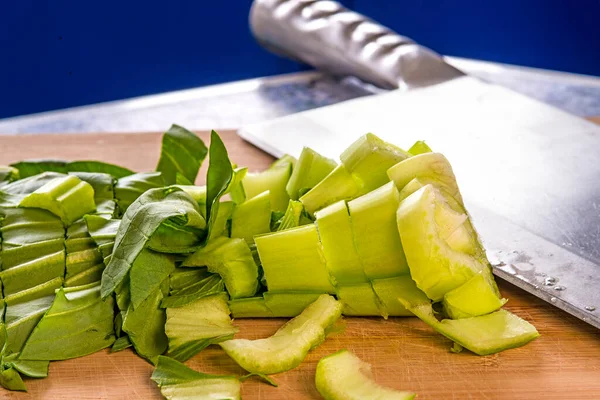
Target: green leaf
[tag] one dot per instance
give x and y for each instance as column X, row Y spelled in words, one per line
column 78, row 323
column 145, row 325
column 31, row 184
column 210, row 285
column 149, row 270
column 176, row 381
column 32, row 369
column 121, row 344
column 128, row 189
column 140, row 222
column 99, row 167
column 218, row 177
column 182, row 153
column 35, row 167
column 11, row 380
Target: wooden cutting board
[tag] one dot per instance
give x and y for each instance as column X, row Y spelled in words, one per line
column 564, row 363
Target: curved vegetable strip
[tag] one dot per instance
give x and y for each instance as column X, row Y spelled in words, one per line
column 288, row 347
column 343, row 376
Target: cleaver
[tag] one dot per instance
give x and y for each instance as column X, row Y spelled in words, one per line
column 529, row 173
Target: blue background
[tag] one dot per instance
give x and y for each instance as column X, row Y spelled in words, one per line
column 63, row 53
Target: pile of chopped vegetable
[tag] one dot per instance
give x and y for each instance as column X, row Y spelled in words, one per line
column 94, row 256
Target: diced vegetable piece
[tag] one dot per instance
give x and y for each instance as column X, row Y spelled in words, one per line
column 284, row 161
column 435, row 265
column 376, row 233
column 197, row 325
column 310, row 169
column 388, row 290
column 419, row 147
column 433, row 166
column 475, row 297
column 338, row 185
column 178, row 382
column 232, row 259
column 250, row 307
column 198, row 193
column 77, row 324
column 288, row 347
column 67, row 197
column 181, row 152
column 184, row 277
column 343, row 376
column 252, row 217
column 369, row 158
column 483, row 335
column 103, row 185
column 274, row 180
column 288, row 304
column 359, row 300
column 335, row 231
column 292, row 261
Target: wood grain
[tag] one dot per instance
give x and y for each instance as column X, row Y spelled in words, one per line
column 564, row 363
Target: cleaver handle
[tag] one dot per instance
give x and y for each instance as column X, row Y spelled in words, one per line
column 330, row 37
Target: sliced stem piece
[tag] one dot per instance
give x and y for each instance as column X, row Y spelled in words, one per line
column 389, row 289
column 288, row 347
column 359, row 300
column 292, row 261
column 250, row 307
column 419, row 147
column 310, row 169
column 67, row 197
column 338, row 185
column 475, row 297
column 289, row 304
column 252, row 217
column 274, row 180
column 232, row 259
column 435, row 265
column 335, row 231
column 376, row 233
column 369, row 158
column 483, row 335
column 344, row 376
column 433, row 166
